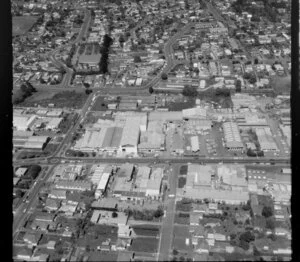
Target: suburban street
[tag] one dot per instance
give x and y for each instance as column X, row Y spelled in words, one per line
column 167, row 227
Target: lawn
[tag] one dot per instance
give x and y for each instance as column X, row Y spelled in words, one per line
column 281, row 85
column 144, row 245
column 146, row 230
column 183, row 206
column 22, row 24
column 181, row 182
column 68, row 99
column 182, row 231
column 179, row 244
column 181, row 218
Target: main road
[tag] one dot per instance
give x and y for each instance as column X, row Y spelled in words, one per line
column 24, row 209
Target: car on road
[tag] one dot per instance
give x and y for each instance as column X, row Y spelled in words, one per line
column 171, row 195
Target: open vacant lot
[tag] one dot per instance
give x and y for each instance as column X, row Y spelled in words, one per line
column 281, row 85
column 144, row 245
column 146, row 230
column 60, row 99
column 21, row 24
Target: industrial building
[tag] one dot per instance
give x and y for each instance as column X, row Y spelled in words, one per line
column 151, row 142
column 74, row 185
column 194, row 113
column 119, row 136
column 31, row 142
column 229, row 197
column 197, row 126
column 154, row 183
column 199, row 176
column 243, row 101
column 265, row 139
column 232, row 177
column 23, row 122
column 53, row 123
column 232, row 136
column 101, row 187
column 195, row 143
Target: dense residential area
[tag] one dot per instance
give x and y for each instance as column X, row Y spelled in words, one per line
column 151, row 130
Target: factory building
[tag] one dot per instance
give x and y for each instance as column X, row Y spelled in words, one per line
column 265, row 139
column 195, row 143
column 232, row 136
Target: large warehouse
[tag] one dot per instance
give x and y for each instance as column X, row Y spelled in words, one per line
column 232, row 136
column 265, row 139
column 23, row 122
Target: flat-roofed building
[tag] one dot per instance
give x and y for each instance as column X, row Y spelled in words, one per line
column 151, row 142
column 192, row 113
column 23, row 122
column 103, row 182
column 232, row 177
column 199, row 176
column 154, row 183
column 74, row 185
column 54, row 123
column 232, row 136
column 195, row 143
column 130, row 136
column 21, row 171
column 265, row 139
column 229, row 197
column 165, row 116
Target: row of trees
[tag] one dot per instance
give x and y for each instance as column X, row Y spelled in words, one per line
column 103, row 64
column 146, row 214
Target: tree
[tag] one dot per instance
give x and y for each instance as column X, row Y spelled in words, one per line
column 270, row 223
column 247, row 237
column 88, row 91
column 252, row 79
column 238, row 86
column 267, row 211
column 164, row 76
column 86, row 85
column 247, row 207
column 190, row 91
column 114, row 214
column 137, row 59
column 151, row 90
column 158, row 213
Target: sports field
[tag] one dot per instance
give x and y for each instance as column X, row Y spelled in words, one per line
column 21, row 24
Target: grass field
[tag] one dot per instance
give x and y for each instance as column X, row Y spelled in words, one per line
column 181, row 218
column 144, row 245
column 146, row 230
column 21, row 24
column 60, row 99
column 178, row 106
column 281, row 85
column 181, row 206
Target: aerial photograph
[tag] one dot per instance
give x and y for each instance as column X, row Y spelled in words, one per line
column 151, row 130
